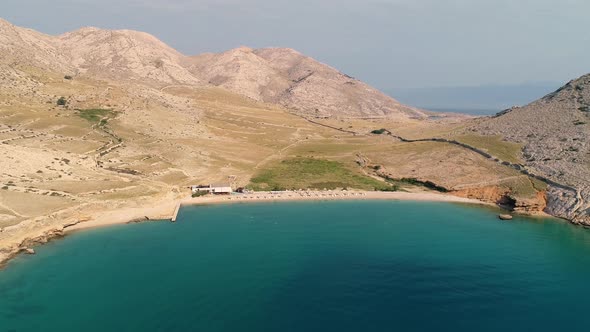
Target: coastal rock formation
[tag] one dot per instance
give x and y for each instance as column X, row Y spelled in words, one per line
column 555, row 134
column 531, row 205
column 488, row 194
column 502, row 196
column 25, row 246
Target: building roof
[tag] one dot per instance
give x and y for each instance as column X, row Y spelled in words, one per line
column 220, row 185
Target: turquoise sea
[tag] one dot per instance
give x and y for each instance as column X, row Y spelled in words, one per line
column 308, row 266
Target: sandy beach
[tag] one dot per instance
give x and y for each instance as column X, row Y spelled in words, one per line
column 329, row 195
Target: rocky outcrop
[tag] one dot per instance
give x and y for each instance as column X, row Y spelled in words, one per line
column 569, row 204
column 531, row 205
column 489, row 194
column 504, row 198
column 25, row 246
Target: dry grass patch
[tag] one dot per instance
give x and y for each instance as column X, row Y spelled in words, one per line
column 42, row 204
column 495, row 146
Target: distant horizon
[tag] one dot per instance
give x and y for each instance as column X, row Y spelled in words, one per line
column 475, row 100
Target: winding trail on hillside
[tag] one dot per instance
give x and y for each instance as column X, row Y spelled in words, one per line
column 518, row 167
column 328, row 126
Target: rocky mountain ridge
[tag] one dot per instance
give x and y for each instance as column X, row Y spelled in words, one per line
column 286, row 77
column 275, row 75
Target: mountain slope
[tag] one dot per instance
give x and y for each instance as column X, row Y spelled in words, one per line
column 124, row 55
column 273, row 75
column 316, row 86
column 26, row 46
column 286, row 77
column 555, row 132
column 240, row 71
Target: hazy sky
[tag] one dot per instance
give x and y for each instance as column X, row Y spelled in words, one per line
column 388, row 43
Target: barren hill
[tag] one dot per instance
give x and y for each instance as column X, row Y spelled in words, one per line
column 274, row 75
column 26, row 46
column 555, row 133
column 286, row 77
column 124, row 55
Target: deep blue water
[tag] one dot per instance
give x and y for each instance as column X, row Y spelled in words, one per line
column 308, row 266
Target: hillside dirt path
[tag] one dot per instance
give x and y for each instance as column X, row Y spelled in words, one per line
column 519, row 167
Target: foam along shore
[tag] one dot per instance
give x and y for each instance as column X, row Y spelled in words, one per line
column 165, row 209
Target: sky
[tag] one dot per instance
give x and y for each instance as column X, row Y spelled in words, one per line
column 390, row 44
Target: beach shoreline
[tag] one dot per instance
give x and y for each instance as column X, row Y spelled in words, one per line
column 166, row 208
column 166, row 211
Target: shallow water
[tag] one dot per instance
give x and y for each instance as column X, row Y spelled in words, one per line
column 307, row 266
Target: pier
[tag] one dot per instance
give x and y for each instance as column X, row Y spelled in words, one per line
column 175, row 214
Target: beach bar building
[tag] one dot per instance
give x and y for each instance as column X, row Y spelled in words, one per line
column 217, row 189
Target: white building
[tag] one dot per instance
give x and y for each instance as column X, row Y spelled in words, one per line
column 217, row 189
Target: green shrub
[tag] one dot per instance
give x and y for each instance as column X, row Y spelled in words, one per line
column 62, row 101
column 199, row 193
column 95, row 115
column 392, row 188
column 427, row 184
column 378, row 131
column 68, row 77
